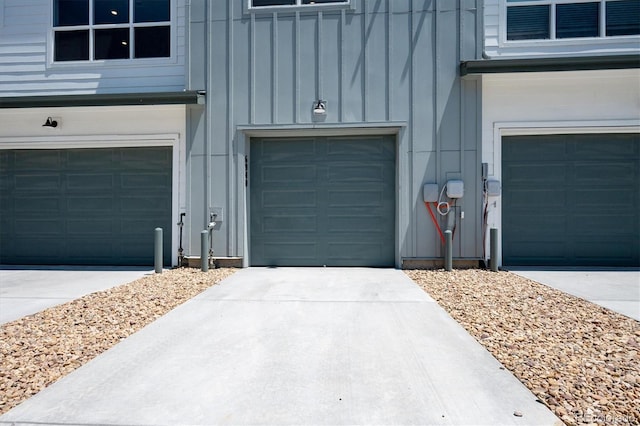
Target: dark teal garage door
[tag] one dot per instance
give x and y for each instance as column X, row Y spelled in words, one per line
column 571, row 200
column 323, row 201
column 84, row 206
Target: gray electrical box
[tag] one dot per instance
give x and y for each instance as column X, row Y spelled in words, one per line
column 493, row 188
column 430, row 192
column 455, row 189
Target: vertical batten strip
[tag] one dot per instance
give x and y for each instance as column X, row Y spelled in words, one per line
column 341, row 76
column 274, row 68
column 461, row 117
column 232, row 177
column 388, row 63
column 436, row 104
column 365, row 69
column 296, row 73
column 411, row 130
column 208, row 78
column 319, row 45
column 252, row 68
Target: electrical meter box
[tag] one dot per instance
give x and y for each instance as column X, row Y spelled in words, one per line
column 430, row 192
column 493, row 188
column 455, row 189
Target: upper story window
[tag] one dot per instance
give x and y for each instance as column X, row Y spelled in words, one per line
column 565, row 19
column 86, row 30
column 269, row 3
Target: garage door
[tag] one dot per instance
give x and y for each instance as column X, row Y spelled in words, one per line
column 323, row 201
column 84, row 206
column 571, row 200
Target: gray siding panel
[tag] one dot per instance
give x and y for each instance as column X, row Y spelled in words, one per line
column 377, row 61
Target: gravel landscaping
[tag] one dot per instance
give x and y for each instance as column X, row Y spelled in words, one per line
column 37, row 350
column 578, row 358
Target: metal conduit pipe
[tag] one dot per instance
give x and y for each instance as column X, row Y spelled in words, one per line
column 493, row 247
column 157, row 261
column 448, row 250
column 204, row 259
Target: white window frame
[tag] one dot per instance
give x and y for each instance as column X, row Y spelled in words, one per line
column 91, row 27
column 298, row 6
column 601, row 38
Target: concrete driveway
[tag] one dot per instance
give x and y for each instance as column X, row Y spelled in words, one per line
column 615, row 289
column 25, row 290
column 285, row 346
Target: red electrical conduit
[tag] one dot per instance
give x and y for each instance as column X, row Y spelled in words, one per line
column 435, row 222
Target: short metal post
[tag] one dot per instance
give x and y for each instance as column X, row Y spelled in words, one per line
column 493, row 249
column 204, row 251
column 158, row 250
column 448, row 250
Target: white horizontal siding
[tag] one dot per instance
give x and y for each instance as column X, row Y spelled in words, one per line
column 495, row 45
column 25, row 70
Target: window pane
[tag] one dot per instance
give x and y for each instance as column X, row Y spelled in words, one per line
column 528, row 22
column 111, row 44
column 577, row 20
column 153, row 42
column 111, row 11
column 71, row 45
column 322, row 1
column 623, row 17
column 152, row 11
column 258, row 3
column 70, row 12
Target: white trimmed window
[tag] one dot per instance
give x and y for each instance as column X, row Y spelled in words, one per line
column 88, row 30
column 293, row 3
column 569, row 19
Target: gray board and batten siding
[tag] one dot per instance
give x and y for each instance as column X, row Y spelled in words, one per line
column 571, row 200
column 382, row 66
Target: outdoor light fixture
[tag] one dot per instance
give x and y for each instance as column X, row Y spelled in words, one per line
column 320, row 107
column 50, row 123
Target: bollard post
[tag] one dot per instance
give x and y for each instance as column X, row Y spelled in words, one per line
column 493, row 249
column 204, row 251
column 448, row 250
column 158, row 250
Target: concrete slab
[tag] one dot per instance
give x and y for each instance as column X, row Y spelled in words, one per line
column 615, row 289
column 294, row 346
column 25, row 290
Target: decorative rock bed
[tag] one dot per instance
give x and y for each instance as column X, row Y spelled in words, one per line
column 578, row 358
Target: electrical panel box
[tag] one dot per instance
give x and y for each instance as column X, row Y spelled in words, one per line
column 455, row 189
column 430, row 192
column 493, row 188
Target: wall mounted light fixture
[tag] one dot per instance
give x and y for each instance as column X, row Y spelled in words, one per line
column 320, row 107
column 50, row 123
